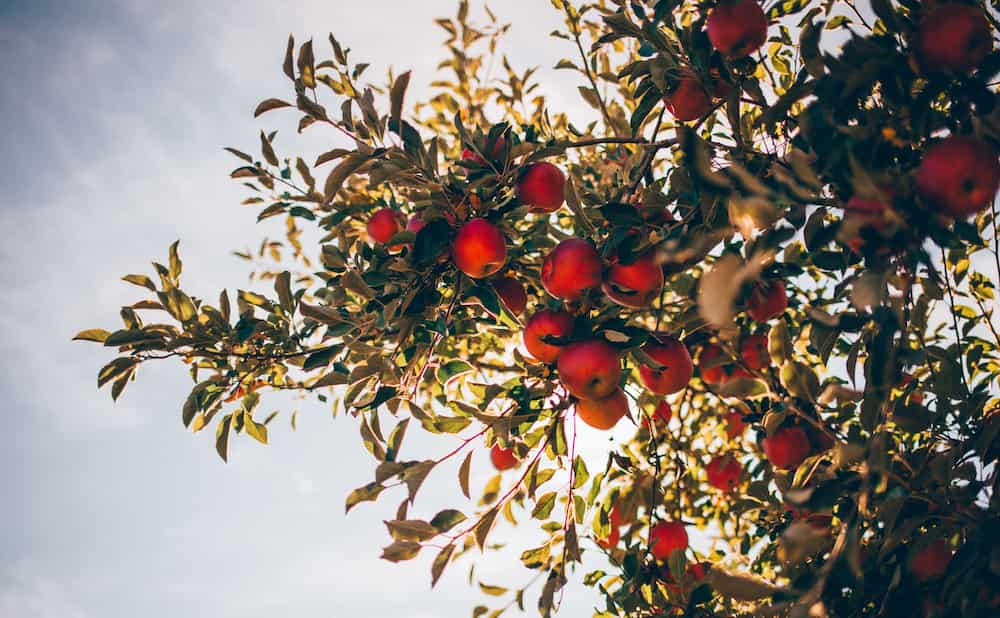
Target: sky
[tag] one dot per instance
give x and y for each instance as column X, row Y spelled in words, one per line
column 116, row 112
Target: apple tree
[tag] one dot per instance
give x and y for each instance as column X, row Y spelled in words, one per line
column 771, row 253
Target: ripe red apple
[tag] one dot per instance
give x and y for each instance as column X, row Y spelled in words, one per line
column 590, row 369
column 787, row 448
column 661, row 415
column 614, row 537
column 512, row 293
column 546, row 323
column 930, row 561
column 959, row 175
column 603, row 413
column 542, row 187
column 724, row 472
column 689, row 100
column 615, row 517
column 753, row 352
column 503, row 458
column 953, row 38
column 677, row 370
column 415, row 224
column 735, row 425
column 860, row 212
column 736, row 28
column 768, row 300
column 384, row 224
column 479, row 249
column 712, row 372
column 569, row 269
column 635, row 284
column 469, row 155
column 667, row 536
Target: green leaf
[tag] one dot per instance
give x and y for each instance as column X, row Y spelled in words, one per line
column 115, row 369
column 92, row 334
column 452, row 369
column 544, row 505
column 175, row 261
column 396, row 97
column 141, row 281
column 400, row 551
column 440, row 562
column 257, row 431
column 411, row 529
column 463, row 474
column 320, row 358
column 447, row 519
column 269, row 104
column 222, row 437
column 368, row 493
column 484, row 526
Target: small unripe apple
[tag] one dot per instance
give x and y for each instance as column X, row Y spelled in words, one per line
column 930, row 561
column 546, row 323
column 787, row 447
column 385, row 224
column 753, row 352
column 689, row 100
column 736, row 28
column 542, row 187
column 635, row 284
column 953, row 38
column 571, row 268
column 677, row 371
column 590, row 369
column 959, row 175
column 479, row 249
column 511, row 293
column 735, row 425
column 503, row 458
column 767, row 300
column 603, row 413
column 724, row 472
column 665, row 537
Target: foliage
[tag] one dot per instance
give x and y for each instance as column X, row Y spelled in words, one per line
column 887, row 358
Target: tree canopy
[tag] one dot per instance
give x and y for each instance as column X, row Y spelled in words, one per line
column 773, row 249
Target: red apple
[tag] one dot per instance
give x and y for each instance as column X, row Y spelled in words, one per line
column 753, row 352
column 546, row 323
column 569, row 269
column 603, row 413
column 767, row 300
column 736, row 28
column 689, row 100
column 930, row 561
column 677, row 366
column 503, row 458
column 959, row 175
column 479, row 249
column 469, row 155
column 735, row 425
column 661, row 415
column 542, row 187
column 415, row 224
column 612, row 541
column 512, row 293
column 615, row 517
column 713, row 372
column 667, row 536
column 787, row 448
column 953, row 38
column 724, row 472
column 590, row 369
column 635, row 284
column 385, row 224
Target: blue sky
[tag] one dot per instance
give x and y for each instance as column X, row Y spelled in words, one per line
column 116, row 113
